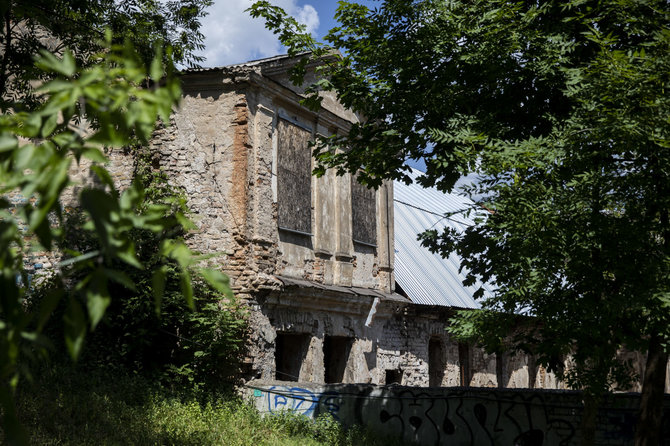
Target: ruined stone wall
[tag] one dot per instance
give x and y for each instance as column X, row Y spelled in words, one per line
column 221, row 148
column 203, row 151
column 394, row 348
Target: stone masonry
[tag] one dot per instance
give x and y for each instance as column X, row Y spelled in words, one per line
column 323, row 307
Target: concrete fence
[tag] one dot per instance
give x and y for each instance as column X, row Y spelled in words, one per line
column 457, row 415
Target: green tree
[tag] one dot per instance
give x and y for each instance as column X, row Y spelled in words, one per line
column 64, row 107
column 562, row 110
column 30, row 26
column 37, row 151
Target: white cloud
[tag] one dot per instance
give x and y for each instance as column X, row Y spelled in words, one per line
column 232, row 36
column 308, row 16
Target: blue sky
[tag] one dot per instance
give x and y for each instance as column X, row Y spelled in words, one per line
column 232, row 36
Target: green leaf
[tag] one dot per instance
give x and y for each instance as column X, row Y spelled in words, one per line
column 32, row 125
column 158, row 280
column 103, row 175
column 68, row 66
column 49, row 62
column 178, row 251
column 94, row 154
column 119, row 277
column 184, row 221
column 8, row 142
column 156, row 71
column 97, row 297
column 218, row 281
column 128, row 255
column 187, row 288
column 49, row 125
column 75, row 328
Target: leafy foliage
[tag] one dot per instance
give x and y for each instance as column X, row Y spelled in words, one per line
column 90, row 406
column 165, row 340
column 562, row 110
column 82, row 112
column 176, row 347
column 53, row 25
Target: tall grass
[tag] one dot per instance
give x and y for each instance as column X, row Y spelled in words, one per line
column 68, row 406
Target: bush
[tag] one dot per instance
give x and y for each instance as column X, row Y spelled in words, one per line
column 67, row 405
column 164, row 340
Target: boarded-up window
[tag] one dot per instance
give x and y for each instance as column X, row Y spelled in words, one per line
column 294, row 165
column 364, row 213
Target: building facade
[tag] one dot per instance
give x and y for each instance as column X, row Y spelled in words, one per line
column 313, row 258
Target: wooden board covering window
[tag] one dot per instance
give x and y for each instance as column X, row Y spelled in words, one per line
column 364, row 213
column 294, row 168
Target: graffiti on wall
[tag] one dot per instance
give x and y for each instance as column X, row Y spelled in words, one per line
column 295, row 399
column 458, row 415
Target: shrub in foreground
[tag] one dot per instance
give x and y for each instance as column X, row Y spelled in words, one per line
column 67, row 405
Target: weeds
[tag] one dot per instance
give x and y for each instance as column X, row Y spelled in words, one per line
column 74, row 406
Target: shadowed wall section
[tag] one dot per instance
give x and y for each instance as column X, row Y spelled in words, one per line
column 459, row 416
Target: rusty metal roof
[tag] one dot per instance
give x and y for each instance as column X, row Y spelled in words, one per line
column 425, row 277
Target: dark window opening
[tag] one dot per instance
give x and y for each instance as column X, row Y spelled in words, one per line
column 465, row 360
column 532, row 371
column 500, row 367
column 336, row 351
column 393, row 376
column 294, row 179
column 363, row 213
column 436, row 363
column 290, row 352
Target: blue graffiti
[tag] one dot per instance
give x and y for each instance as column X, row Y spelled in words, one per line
column 294, row 399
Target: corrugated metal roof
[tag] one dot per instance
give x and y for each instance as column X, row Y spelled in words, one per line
column 428, row 278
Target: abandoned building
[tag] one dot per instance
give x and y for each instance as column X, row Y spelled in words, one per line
column 317, row 259
column 338, row 287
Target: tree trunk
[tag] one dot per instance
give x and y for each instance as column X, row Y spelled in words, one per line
column 6, row 56
column 589, row 416
column 648, row 429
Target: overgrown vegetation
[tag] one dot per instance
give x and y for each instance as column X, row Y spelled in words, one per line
column 178, row 346
column 78, row 80
column 27, row 27
column 121, row 236
column 175, row 345
column 80, row 406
